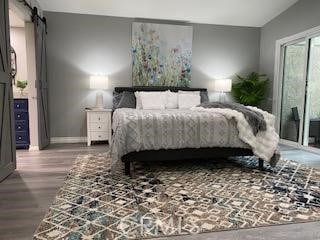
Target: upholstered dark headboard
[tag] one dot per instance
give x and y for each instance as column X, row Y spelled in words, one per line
column 119, row 90
column 157, row 88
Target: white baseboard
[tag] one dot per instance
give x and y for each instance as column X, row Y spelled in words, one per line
column 68, row 139
column 33, row 148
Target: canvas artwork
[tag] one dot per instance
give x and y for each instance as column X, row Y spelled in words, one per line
column 161, row 54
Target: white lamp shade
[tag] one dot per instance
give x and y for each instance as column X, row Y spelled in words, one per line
column 99, row 82
column 223, row 85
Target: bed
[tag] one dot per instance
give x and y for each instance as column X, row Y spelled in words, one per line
column 173, row 134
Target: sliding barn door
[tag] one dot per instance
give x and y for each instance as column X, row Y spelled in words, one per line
column 7, row 139
column 42, row 84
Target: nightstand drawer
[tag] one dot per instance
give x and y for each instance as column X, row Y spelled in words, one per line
column 98, row 127
column 98, row 117
column 97, row 136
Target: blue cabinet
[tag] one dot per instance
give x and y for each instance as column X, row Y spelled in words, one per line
column 21, row 114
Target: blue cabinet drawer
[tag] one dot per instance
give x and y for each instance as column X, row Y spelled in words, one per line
column 22, row 137
column 21, row 116
column 21, row 104
column 22, row 126
column 21, row 122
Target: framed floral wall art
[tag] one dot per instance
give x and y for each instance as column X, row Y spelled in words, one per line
column 161, row 54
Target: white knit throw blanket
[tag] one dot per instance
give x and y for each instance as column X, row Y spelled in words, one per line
column 265, row 143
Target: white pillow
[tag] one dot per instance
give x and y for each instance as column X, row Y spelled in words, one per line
column 172, row 101
column 187, row 101
column 189, row 92
column 153, row 100
column 138, row 100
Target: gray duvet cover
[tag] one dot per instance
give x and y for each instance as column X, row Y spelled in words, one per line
column 137, row 130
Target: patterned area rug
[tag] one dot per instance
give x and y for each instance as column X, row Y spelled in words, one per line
column 179, row 198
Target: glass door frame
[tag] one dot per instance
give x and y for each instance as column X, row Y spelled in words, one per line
column 278, row 83
column 305, row 66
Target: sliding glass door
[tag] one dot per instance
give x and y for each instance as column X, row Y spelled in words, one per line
column 300, row 101
column 293, row 90
column 311, row 136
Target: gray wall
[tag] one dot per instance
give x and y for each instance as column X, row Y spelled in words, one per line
column 81, row 45
column 303, row 15
column 222, row 51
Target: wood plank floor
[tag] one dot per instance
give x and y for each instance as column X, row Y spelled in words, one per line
column 26, row 195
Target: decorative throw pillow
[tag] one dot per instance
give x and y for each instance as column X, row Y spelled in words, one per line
column 116, row 99
column 172, row 101
column 128, row 100
column 187, row 101
column 203, row 95
column 138, row 100
column 189, row 92
column 153, row 100
column 138, row 97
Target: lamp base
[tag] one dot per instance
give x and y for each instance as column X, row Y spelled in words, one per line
column 99, row 101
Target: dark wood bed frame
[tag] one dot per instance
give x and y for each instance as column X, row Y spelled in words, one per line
column 178, row 154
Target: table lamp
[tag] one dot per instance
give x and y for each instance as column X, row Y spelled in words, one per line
column 99, row 83
column 222, row 86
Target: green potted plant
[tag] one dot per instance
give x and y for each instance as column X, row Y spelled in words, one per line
column 250, row 90
column 21, row 85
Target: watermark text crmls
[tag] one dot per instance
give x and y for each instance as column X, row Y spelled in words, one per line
column 151, row 226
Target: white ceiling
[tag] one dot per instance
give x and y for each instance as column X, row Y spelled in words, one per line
column 253, row 13
column 15, row 20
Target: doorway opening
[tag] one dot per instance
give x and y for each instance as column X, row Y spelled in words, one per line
column 23, row 73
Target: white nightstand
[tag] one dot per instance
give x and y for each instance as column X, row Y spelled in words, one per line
column 98, row 125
